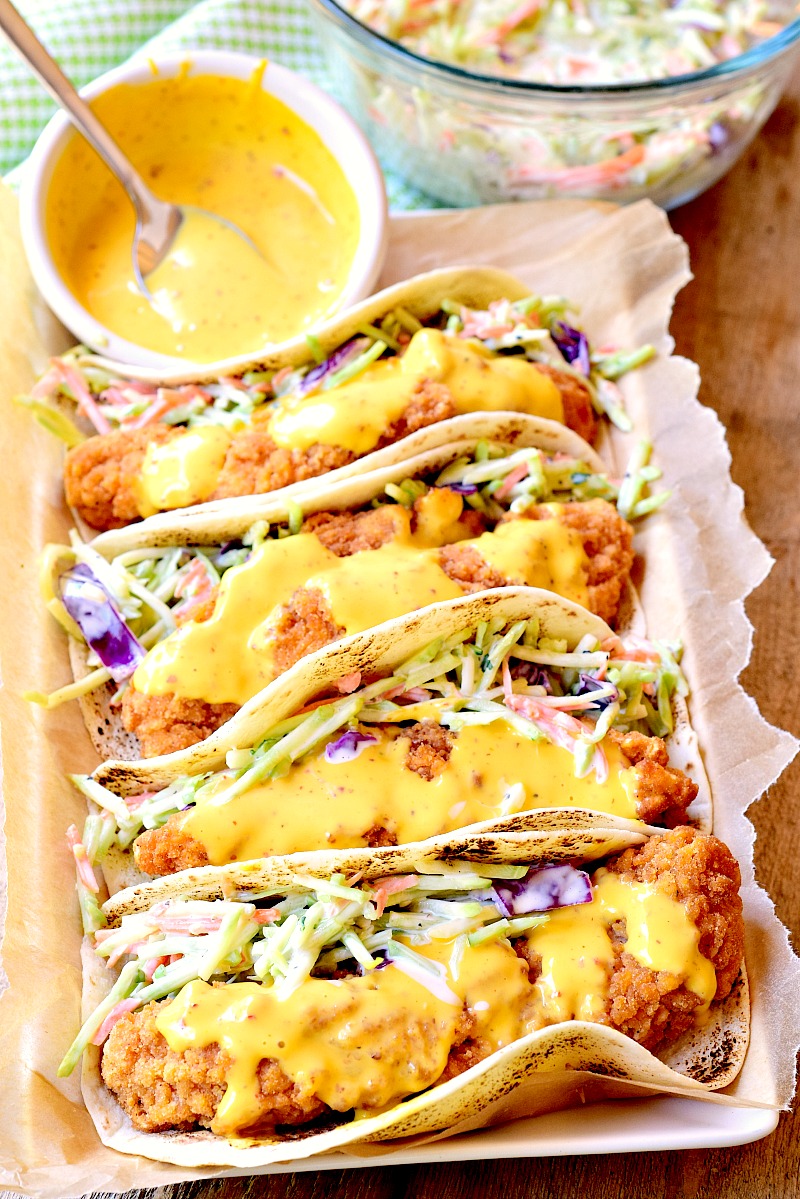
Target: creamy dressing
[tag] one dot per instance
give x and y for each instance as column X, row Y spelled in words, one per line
column 230, row 148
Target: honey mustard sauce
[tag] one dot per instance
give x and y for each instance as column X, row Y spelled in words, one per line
column 356, row 415
column 229, row 657
column 322, row 804
column 357, row 1043
column 230, row 148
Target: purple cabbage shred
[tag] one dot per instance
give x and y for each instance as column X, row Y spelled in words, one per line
column 348, row 746
column 573, row 345
column 588, row 684
column 462, row 488
column 542, row 889
column 96, row 615
column 339, row 358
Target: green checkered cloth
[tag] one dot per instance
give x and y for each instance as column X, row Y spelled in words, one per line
column 91, row 36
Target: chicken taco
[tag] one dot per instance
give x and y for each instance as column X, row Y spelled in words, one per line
column 310, row 1014
column 179, row 620
column 451, row 342
column 477, row 716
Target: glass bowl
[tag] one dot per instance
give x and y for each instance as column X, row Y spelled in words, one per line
column 473, row 139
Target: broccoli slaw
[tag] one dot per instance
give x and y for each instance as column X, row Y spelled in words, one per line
column 495, row 672
column 540, row 328
column 475, row 142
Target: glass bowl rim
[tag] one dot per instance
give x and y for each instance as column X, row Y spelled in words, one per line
column 758, row 55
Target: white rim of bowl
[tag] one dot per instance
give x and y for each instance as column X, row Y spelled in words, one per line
column 336, row 129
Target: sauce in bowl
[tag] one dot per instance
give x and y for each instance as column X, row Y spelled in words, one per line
column 227, row 146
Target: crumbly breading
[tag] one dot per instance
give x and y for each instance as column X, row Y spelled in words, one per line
column 464, row 565
column 168, row 849
column 662, row 792
column 166, row 723
column 346, row 533
column 428, row 749
column 699, row 871
column 303, row 626
column 160, row 1088
column 100, row 474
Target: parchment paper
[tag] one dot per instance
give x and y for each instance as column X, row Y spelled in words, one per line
column 623, row 267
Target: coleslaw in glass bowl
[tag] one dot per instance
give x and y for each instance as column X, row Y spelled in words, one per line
column 481, row 101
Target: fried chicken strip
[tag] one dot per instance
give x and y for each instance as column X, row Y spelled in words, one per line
column 660, row 791
column 161, row 1089
column 698, row 871
column 100, row 474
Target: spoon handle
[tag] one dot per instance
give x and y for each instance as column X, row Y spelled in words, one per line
column 28, row 46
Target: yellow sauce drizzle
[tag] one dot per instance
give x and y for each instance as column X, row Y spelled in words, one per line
column 355, row 415
column 577, row 953
column 229, row 148
column 228, row 658
column 361, row 1043
column 181, row 471
column 334, row 805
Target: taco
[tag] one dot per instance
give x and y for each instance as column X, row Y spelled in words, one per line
column 224, row 605
column 451, row 342
column 314, row 1014
column 475, row 716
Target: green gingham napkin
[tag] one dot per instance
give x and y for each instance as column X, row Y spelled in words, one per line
column 91, row 36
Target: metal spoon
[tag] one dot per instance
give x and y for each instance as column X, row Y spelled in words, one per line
column 157, row 222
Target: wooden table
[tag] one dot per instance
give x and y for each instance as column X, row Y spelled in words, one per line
column 740, row 320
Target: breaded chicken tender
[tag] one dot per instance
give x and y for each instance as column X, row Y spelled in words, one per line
column 698, row 871
column 608, row 544
column 660, row 790
column 166, row 723
column 160, row 1088
column 100, row 474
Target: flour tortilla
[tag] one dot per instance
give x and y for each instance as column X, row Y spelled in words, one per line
column 373, row 653
column 230, row 519
column 533, row 1075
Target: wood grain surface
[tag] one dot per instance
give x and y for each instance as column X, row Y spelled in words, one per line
column 740, row 320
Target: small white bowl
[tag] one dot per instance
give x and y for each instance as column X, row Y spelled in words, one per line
column 336, row 129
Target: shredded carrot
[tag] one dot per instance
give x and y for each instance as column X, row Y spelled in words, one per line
column 385, row 887
column 116, row 1013
column 85, row 399
column 349, row 683
column 82, row 863
column 510, row 481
